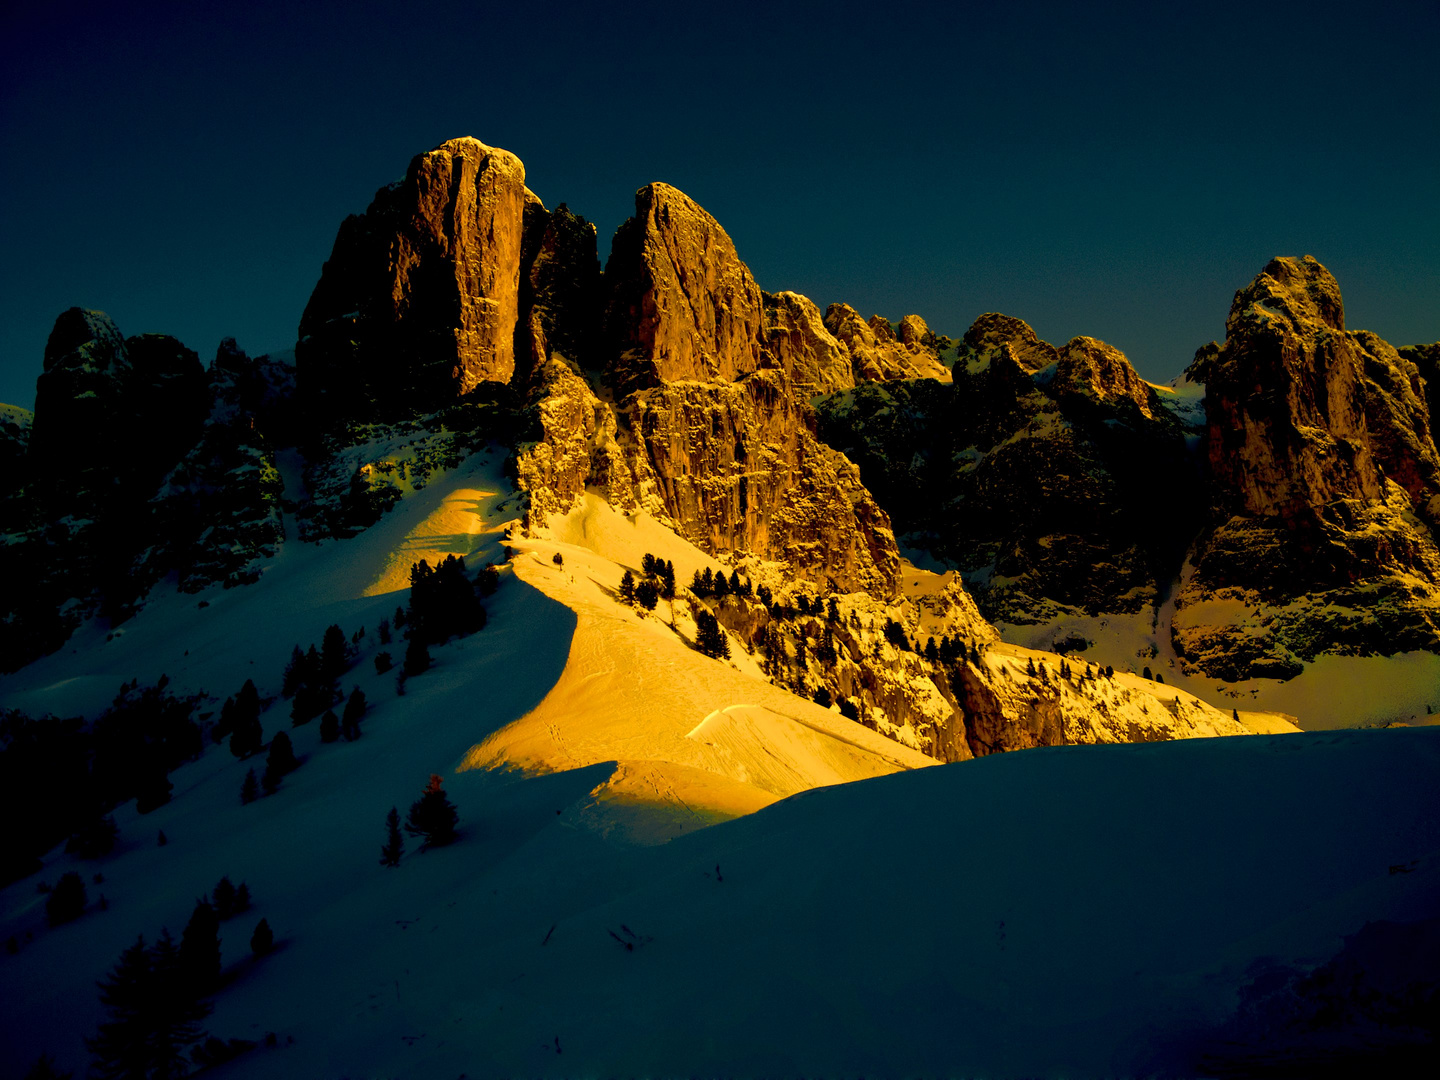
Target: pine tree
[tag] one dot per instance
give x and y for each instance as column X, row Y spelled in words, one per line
column 1235, row 714
column 355, row 708
column 849, row 709
column 707, row 584
column 647, row 564
column 417, row 657
column 1030, row 667
column 280, row 761
column 242, row 898
column 394, row 842
column 153, row 1015
column 822, row 696
column 697, row 584
column 647, row 595
column 263, row 940
column 66, row 901
column 383, row 663
column 294, row 673
column 224, row 898
column 488, row 581
column 667, row 579
column 246, row 735
column 333, row 659
column 329, row 727
column 1146, row 673
column 932, row 651
column 199, row 956
column 249, row 790
column 432, row 816
column 721, row 586
column 384, row 631
column 627, row 587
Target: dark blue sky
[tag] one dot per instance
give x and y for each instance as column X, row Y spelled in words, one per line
column 1113, row 170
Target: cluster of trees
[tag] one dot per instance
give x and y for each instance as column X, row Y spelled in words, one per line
column 333, row 727
column 710, row 639
column 157, row 996
column 63, row 776
column 312, row 677
column 443, row 602
column 715, row 584
column 657, row 582
column 240, row 720
column 278, row 763
column 432, row 817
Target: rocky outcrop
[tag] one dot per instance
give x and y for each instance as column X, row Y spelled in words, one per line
column 421, row 296
column 15, row 424
column 796, row 337
column 992, row 332
column 877, row 354
column 1325, row 476
column 682, row 306
column 217, row 514
column 560, row 295
column 1093, row 371
column 1034, row 477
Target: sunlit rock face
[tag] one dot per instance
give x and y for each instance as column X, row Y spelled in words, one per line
column 877, row 354
column 797, row 338
column 1325, row 476
column 420, row 298
column 681, row 303
column 1033, row 471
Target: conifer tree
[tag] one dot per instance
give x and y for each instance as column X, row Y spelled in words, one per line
column 384, row 631
column 263, row 940
column 721, row 586
column 697, row 584
column 329, row 727
column 250, row 789
column 849, row 709
column 432, row 816
column 153, row 1015
column 707, row 584
column 1146, row 673
column 224, row 898
column 647, row 595
column 354, row 712
column 394, row 843
column 417, row 657
column 199, row 956
column 1030, row 667
column 383, row 663
column 647, row 564
column 822, row 696
column 280, row 761
column 66, row 901
column 488, row 581
column 294, row 673
column 627, row 587
column 932, row 651
column 242, row 898
column 667, row 579
column 333, row 660
column 1235, row 715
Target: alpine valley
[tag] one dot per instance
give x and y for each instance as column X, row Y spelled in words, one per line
column 631, row 562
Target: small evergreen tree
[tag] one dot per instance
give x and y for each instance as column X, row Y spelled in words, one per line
column 721, row 587
column 558, row 560
column 707, row 584
column 242, row 898
column 849, row 709
column 384, row 631
column 250, row 789
column 354, row 712
column 333, row 658
column 697, row 585
column 394, row 843
column 822, row 696
column 224, row 898
column 383, row 663
column 432, row 816
column 417, row 657
column 489, row 580
column 294, row 673
column 1160, row 677
column 667, row 579
column 1235, row 715
column 263, row 940
column 627, row 587
column 1146, row 673
column 199, row 956
column 280, row 761
column 647, row 595
column 1030, row 667
column 66, row 901
column 647, row 564
column 329, row 727
column 932, row 651
column 153, row 1015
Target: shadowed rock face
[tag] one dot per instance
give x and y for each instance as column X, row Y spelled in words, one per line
column 420, row 298
column 1327, row 484
column 1035, row 478
column 681, row 303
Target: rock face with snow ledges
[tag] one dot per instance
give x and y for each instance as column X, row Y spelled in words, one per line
column 421, row 296
column 1326, row 477
column 877, row 354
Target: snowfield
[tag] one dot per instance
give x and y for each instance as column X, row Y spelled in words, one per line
column 651, row 877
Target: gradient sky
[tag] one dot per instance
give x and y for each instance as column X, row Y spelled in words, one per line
column 1112, row 170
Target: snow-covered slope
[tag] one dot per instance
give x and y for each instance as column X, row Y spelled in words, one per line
column 1021, row 913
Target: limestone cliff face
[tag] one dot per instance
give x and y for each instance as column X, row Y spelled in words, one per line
column 421, row 296
column 796, row 337
column 1031, row 471
column 1327, row 484
column 877, row 354
column 681, row 303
